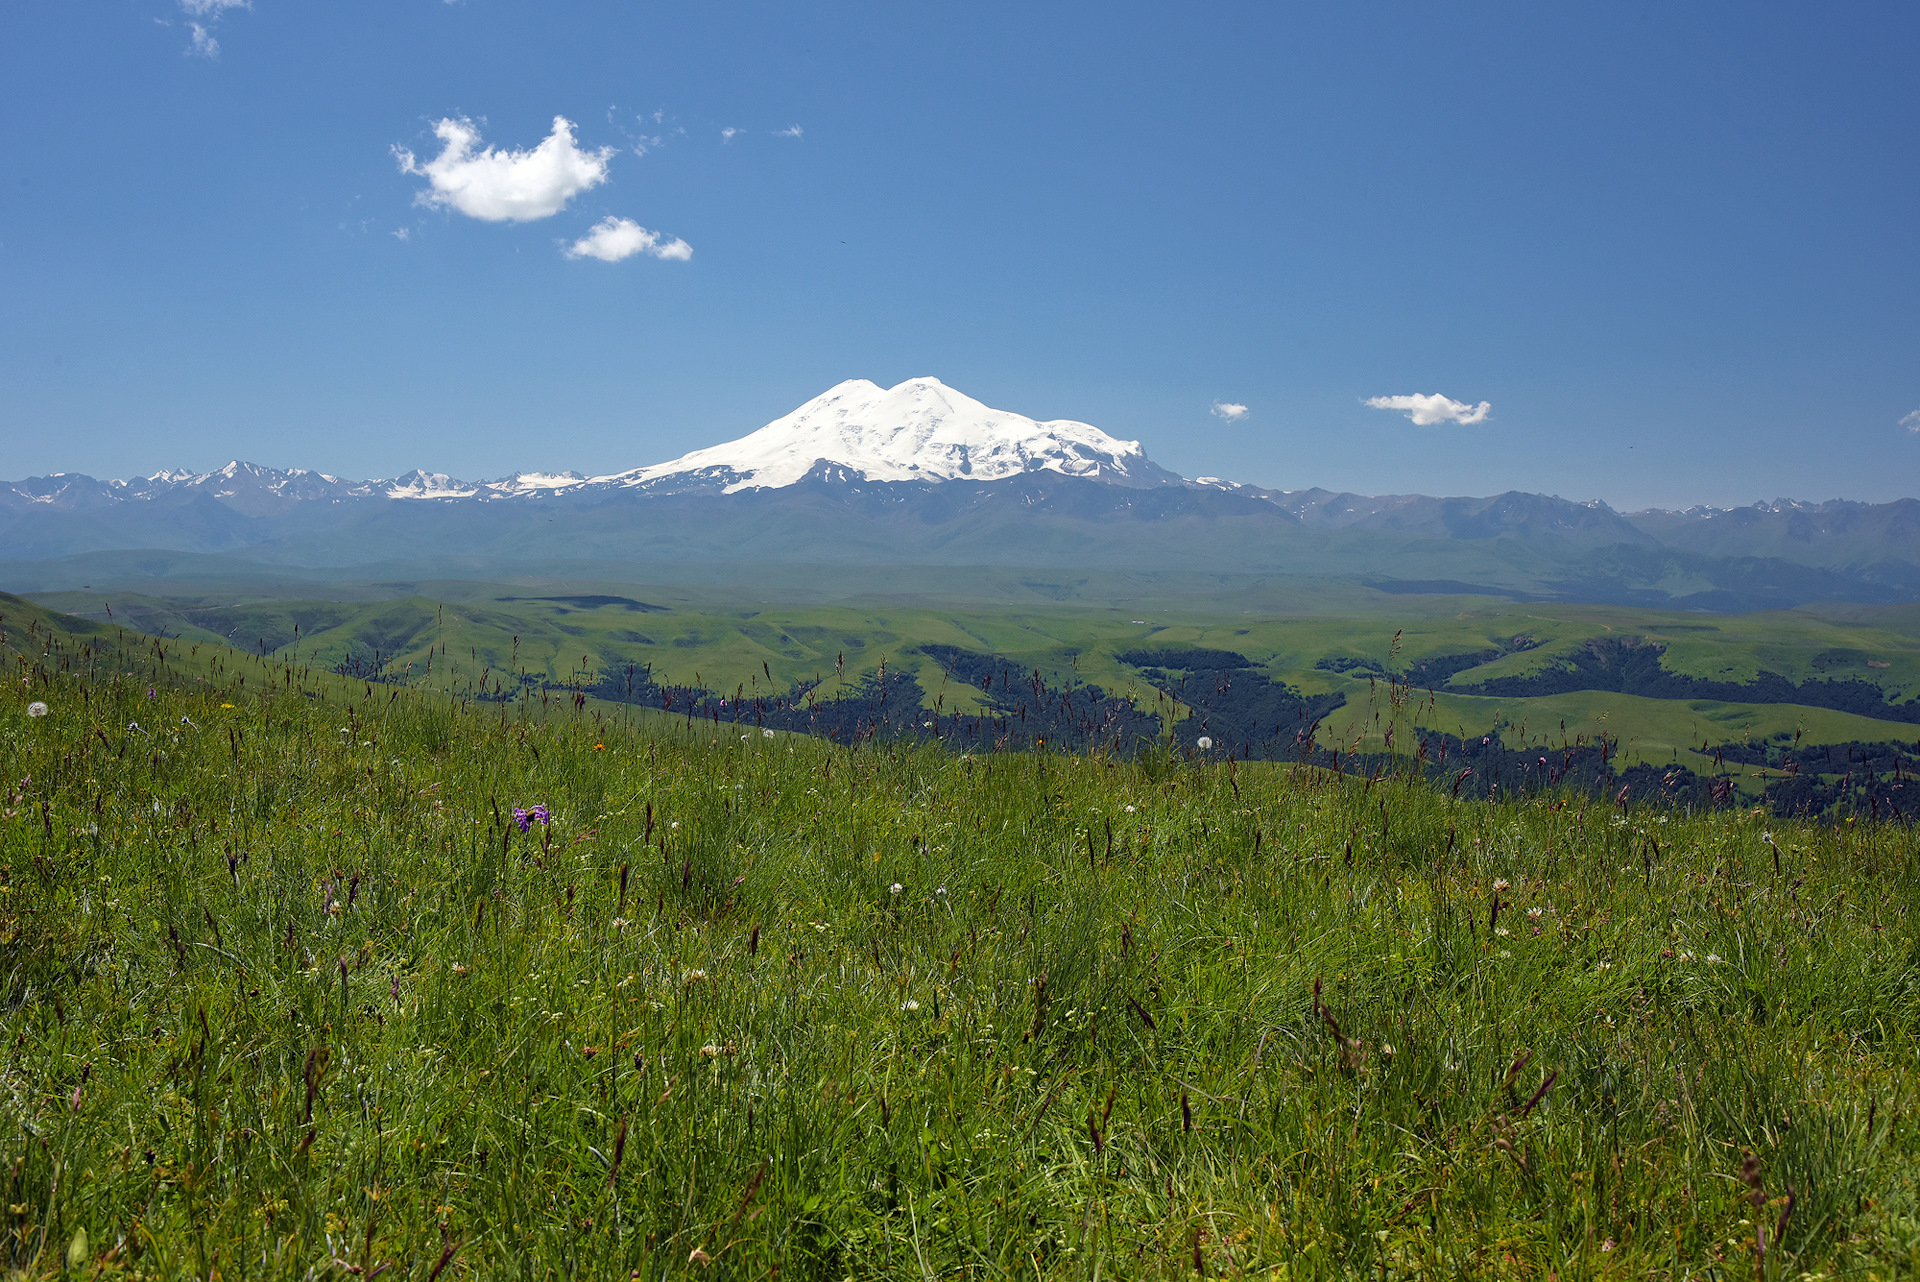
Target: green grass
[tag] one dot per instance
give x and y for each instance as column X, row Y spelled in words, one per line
column 287, row 993
column 720, row 638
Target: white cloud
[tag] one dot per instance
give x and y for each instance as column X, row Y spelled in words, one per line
column 1229, row 411
column 613, row 239
column 404, row 233
column 726, row 135
column 506, row 186
column 203, row 44
column 1911, row 422
column 791, row 131
column 1429, row 411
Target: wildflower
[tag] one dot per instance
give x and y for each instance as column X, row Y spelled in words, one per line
column 458, row 969
column 895, row 888
column 694, row 976
column 939, row 892
column 522, row 819
column 766, row 734
column 1203, row 743
column 540, row 814
column 36, row 709
column 226, row 705
column 1129, row 809
column 1501, row 931
column 599, row 747
column 1504, row 952
column 909, row 1004
column 709, row 1051
column 674, row 824
column 1501, row 884
column 1712, row 958
column 151, row 694
column 1534, row 913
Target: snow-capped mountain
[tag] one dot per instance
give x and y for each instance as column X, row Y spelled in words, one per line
column 919, row 430
column 922, row 474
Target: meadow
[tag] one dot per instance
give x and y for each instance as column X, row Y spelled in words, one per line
column 309, row 977
column 765, row 635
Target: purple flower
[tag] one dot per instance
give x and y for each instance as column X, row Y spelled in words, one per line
column 150, row 693
column 540, row 814
column 534, row 814
column 522, row 818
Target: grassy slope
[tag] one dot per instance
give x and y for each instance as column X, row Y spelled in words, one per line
column 717, row 638
column 281, row 989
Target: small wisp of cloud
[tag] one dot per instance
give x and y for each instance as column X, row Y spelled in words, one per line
column 613, row 239
column 726, row 135
column 791, row 131
column 497, row 185
column 1911, row 422
column 1432, row 410
column 1230, row 411
column 202, row 43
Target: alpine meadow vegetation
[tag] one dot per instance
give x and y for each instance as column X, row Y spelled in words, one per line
column 310, row 977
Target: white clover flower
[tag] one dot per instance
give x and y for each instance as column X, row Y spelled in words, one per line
column 36, row 709
column 895, row 888
column 1712, row 958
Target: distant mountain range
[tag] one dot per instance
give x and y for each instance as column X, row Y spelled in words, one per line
column 922, row 474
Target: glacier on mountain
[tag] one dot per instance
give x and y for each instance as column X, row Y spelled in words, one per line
column 919, row 430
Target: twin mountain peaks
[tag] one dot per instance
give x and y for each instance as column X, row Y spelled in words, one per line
column 920, row 474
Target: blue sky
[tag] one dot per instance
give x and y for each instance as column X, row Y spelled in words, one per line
column 1675, row 248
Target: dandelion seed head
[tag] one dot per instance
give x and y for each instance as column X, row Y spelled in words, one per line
column 1203, row 743
column 36, row 709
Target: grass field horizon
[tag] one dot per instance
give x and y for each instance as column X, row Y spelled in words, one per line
column 439, row 634
column 309, row 975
